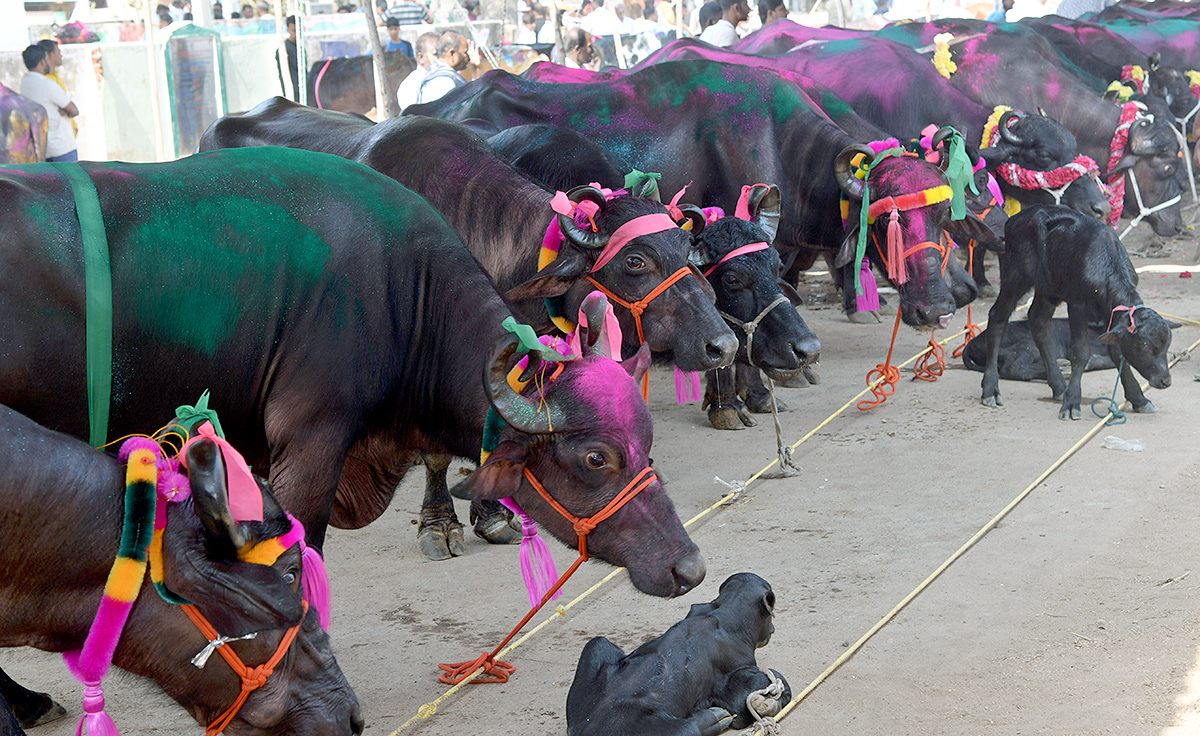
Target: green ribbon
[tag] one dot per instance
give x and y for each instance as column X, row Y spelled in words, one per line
column 635, row 178
column 860, row 251
column 529, row 340
column 190, row 416
column 960, row 175
column 98, row 312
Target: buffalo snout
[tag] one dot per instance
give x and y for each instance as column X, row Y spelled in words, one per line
column 688, row 572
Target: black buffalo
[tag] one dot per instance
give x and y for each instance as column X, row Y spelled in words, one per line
column 343, row 328
column 502, row 216
column 348, row 84
column 694, row 680
column 717, row 127
column 1064, row 257
column 61, row 514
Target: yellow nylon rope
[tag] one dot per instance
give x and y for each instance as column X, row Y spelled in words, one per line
column 427, row 710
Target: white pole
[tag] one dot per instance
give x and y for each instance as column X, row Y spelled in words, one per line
column 301, row 54
column 383, row 106
column 160, row 150
column 285, row 74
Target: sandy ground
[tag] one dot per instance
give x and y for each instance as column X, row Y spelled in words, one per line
column 1079, row 614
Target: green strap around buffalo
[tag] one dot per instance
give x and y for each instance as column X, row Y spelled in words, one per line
column 97, row 273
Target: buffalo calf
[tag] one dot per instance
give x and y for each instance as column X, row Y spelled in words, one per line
column 691, row 681
column 1066, row 257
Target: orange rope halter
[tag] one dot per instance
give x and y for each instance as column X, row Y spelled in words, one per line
column 498, row 671
column 252, row 677
column 640, row 306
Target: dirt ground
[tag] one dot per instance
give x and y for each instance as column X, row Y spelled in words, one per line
column 1079, row 614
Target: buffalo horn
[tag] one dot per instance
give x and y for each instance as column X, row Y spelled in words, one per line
column 850, row 184
column 595, row 340
column 764, row 205
column 1006, row 132
column 521, row 412
column 576, row 234
column 938, row 142
column 210, row 494
column 695, row 215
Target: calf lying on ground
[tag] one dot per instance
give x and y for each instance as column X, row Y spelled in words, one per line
column 1019, row 359
column 1067, row 257
column 691, row 681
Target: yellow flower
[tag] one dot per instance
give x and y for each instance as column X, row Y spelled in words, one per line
column 941, row 55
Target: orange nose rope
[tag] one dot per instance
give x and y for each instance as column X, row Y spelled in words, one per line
column 882, row 378
column 640, row 306
column 252, row 678
column 497, row 671
column 972, row 329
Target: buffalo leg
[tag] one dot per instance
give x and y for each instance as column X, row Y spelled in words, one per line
column 494, row 523
column 23, row 708
column 845, row 280
column 997, row 323
column 725, row 409
column 755, row 395
column 1041, row 312
column 1133, row 391
column 1080, row 353
column 439, row 533
column 979, row 274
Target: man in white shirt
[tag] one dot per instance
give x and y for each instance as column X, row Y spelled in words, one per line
column 60, row 140
column 453, row 55
column 406, row 93
column 577, row 48
column 723, row 33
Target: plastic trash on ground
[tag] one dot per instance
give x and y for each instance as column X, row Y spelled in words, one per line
column 1112, row 442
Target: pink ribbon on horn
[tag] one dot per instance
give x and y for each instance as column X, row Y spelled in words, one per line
column 245, row 498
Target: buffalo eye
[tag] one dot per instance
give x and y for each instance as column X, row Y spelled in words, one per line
column 635, row 263
column 595, row 459
column 729, row 278
column 289, row 576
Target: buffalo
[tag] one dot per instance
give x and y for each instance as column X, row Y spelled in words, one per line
column 22, row 129
column 61, row 514
column 341, row 322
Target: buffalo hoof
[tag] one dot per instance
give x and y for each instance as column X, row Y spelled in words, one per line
column 441, row 541
column 762, row 404
column 765, row 706
column 1146, row 408
column 798, row 382
column 44, row 711
column 864, row 318
column 810, row 372
column 986, row 290
column 713, row 721
column 730, row 417
column 886, row 309
column 992, row 401
column 1071, row 413
column 498, row 528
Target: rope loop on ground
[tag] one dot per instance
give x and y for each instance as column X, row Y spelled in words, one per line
column 972, row 331
column 932, row 364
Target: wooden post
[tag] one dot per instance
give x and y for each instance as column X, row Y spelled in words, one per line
column 301, row 55
column 155, row 100
column 384, row 107
column 285, row 74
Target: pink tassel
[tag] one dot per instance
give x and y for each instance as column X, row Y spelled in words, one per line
column 315, row 581
column 897, row 269
column 868, row 300
column 98, row 722
column 537, row 566
column 687, row 386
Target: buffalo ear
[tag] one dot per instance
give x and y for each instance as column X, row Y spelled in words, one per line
column 554, row 279
column 971, row 228
column 238, row 598
column 502, row 474
column 704, row 285
column 1110, row 337
column 637, row 366
column 1124, row 163
column 792, row 295
column 849, row 248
